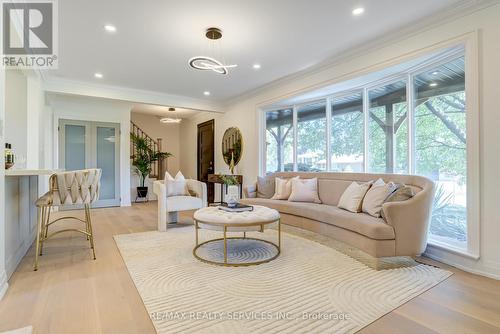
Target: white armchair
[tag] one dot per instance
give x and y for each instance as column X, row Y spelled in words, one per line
column 169, row 207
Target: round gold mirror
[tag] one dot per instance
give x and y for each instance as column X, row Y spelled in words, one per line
column 232, row 147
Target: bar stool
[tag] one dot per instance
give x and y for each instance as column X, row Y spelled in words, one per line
column 67, row 188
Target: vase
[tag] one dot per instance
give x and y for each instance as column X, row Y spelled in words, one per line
column 232, row 195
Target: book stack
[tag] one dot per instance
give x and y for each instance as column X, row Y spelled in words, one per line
column 237, row 208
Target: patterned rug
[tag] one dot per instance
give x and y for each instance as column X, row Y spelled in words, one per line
column 309, row 288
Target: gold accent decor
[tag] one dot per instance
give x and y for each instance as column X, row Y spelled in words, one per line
column 232, row 147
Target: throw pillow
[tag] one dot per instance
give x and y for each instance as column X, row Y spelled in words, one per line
column 177, row 186
column 402, row 193
column 353, row 196
column 375, row 197
column 283, row 188
column 265, row 187
column 305, row 190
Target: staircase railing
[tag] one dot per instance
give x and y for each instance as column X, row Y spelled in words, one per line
column 159, row 167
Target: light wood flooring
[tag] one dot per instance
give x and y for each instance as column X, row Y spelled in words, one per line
column 71, row 293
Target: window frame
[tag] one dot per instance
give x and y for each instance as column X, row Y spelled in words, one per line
column 461, row 47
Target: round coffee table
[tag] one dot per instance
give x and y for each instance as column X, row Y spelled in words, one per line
column 212, row 218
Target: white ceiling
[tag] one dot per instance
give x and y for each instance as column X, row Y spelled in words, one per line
column 155, row 39
column 162, row 111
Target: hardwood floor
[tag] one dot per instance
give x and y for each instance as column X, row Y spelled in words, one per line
column 71, row 293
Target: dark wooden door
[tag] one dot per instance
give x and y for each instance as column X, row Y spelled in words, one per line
column 206, row 155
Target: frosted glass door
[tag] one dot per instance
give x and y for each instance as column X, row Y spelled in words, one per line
column 74, row 142
column 84, row 144
column 106, row 137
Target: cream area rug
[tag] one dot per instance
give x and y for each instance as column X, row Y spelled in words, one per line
column 309, row 288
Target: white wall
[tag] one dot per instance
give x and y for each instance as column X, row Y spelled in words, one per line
column 3, row 275
column 16, row 115
column 97, row 110
column 243, row 114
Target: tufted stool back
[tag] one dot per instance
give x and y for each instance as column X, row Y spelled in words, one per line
column 74, row 187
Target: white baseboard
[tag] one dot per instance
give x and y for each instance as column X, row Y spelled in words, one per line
column 487, row 269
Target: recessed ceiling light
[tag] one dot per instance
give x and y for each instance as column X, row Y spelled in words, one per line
column 435, row 73
column 206, row 93
column 256, row 66
column 358, row 11
column 98, row 75
column 110, row 28
column 433, row 84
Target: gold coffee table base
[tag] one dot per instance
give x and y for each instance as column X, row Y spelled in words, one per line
column 226, row 238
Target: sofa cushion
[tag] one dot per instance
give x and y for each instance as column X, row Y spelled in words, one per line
column 374, row 228
column 265, row 187
column 304, row 190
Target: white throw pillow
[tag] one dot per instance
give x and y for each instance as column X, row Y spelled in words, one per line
column 352, row 197
column 177, row 186
column 375, row 197
column 283, row 188
column 304, row 190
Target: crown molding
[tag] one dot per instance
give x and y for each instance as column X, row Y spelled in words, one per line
column 454, row 12
column 73, row 87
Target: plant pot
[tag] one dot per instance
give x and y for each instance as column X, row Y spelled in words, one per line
column 142, row 192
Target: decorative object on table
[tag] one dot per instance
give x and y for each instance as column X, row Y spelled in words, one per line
column 232, row 147
column 236, row 208
column 9, row 156
column 216, row 178
column 143, row 159
column 79, row 187
column 232, row 189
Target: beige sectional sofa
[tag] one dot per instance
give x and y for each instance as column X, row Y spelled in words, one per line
column 403, row 232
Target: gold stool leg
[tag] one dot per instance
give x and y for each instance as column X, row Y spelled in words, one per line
column 45, row 227
column 38, row 235
column 196, row 229
column 89, row 222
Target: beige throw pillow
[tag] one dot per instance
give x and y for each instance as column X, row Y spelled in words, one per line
column 283, row 188
column 177, row 186
column 304, row 190
column 352, row 197
column 375, row 197
column 265, row 187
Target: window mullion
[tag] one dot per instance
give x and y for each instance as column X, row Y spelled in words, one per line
column 366, row 119
column 411, row 124
column 294, row 120
column 328, row 133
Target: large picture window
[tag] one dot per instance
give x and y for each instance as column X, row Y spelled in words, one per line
column 415, row 123
column 440, row 146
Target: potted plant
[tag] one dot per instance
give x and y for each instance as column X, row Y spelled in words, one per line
column 142, row 160
column 232, row 189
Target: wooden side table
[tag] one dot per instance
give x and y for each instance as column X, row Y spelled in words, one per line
column 216, row 178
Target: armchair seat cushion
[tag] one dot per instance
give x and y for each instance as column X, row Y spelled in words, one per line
column 183, row 203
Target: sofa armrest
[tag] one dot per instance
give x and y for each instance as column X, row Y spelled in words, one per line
column 199, row 188
column 250, row 191
column 161, row 193
column 410, row 220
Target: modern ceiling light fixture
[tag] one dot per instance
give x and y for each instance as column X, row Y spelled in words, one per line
column 110, row 28
column 206, row 93
column 171, row 109
column 206, row 63
column 170, row 120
